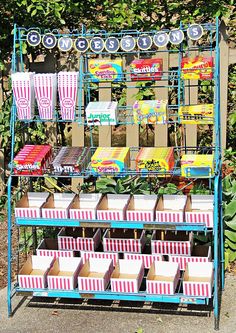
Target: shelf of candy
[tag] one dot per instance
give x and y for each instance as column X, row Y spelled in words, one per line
column 197, row 68
column 197, row 166
column 113, row 207
column 102, row 113
column 141, row 208
column 199, row 209
column 30, row 205
column 71, row 160
column 100, row 70
column 68, row 83
column 170, row 208
column 150, row 112
column 48, row 247
column 57, row 206
column 196, row 114
column 146, row 69
column 32, row 160
column 84, row 206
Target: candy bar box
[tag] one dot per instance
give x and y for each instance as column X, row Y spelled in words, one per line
column 146, row 69
column 30, row 204
column 199, row 209
column 141, row 208
column 163, row 278
column 170, row 208
column 34, row 272
column 48, row 247
column 200, row 253
column 57, row 206
column 127, row 276
column 84, row 206
column 197, row 165
column 64, row 273
column 95, row 274
column 198, row 68
column 113, row 207
column 119, row 240
column 172, row 243
column 196, row 114
column 102, row 113
column 198, row 279
column 103, row 70
column 79, row 239
column 86, row 255
column 150, row 112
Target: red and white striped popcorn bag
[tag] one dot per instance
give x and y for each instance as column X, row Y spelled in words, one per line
column 45, row 86
column 67, row 89
column 23, row 91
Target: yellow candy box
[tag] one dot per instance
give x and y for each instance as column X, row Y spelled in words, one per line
column 197, row 165
column 196, row 114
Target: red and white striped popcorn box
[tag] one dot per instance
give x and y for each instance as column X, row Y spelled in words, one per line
column 45, row 86
column 84, row 206
column 198, row 279
column 147, row 259
column 112, row 207
column 30, row 204
column 86, row 255
column 49, row 248
column 127, row 276
column 64, row 273
column 95, row 274
column 57, row 206
column 73, row 239
column 34, row 272
column 200, row 253
column 170, row 208
column 67, row 89
column 172, row 243
column 124, row 241
column 199, row 209
column 141, row 208
column 163, row 278
column 23, row 91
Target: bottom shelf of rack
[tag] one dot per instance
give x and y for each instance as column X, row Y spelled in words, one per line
column 108, row 295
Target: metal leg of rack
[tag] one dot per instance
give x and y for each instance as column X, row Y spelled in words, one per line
column 9, row 252
column 216, row 255
column 222, row 256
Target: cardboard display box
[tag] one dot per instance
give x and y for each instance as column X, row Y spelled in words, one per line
column 197, row 166
column 198, row 279
column 102, row 113
column 199, row 209
column 141, row 208
column 113, row 207
column 172, row 243
column 147, row 259
column 49, row 248
column 84, row 206
column 162, row 278
column 78, row 239
column 64, row 273
column 119, row 240
column 34, row 272
column 200, row 253
column 30, row 204
column 57, row 206
column 86, row 255
column 95, row 274
column 170, row 208
column 127, row 276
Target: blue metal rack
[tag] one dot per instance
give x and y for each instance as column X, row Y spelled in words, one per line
column 211, row 46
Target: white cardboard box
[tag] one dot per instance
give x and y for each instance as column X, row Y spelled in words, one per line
column 172, row 243
column 34, row 272
column 30, row 204
column 199, row 209
column 101, row 113
column 162, row 278
column 86, row 255
column 200, row 253
column 57, row 206
column 147, row 259
column 141, row 208
column 95, row 274
column 64, row 273
column 170, row 208
column 113, row 207
column 198, row 279
column 126, row 240
column 73, row 239
column 127, row 276
column 84, row 206
column 49, row 248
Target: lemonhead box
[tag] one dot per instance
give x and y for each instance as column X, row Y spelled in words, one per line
column 196, row 114
column 193, row 165
column 150, row 112
column 146, row 69
column 105, row 70
column 198, row 68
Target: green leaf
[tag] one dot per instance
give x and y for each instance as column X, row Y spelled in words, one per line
column 231, row 235
column 230, row 209
column 231, row 224
column 34, row 12
column 230, row 244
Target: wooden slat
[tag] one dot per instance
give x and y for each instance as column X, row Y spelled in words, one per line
column 232, row 56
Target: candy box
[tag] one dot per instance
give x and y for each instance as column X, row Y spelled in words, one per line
column 95, row 274
column 112, row 207
column 150, row 112
column 105, row 70
column 141, row 208
column 196, row 114
column 101, row 113
column 170, row 208
column 110, row 159
column 84, row 206
column 146, row 69
column 199, row 209
column 49, row 248
column 30, row 204
column 201, row 166
column 198, row 68
column 172, row 243
column 163, row 278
